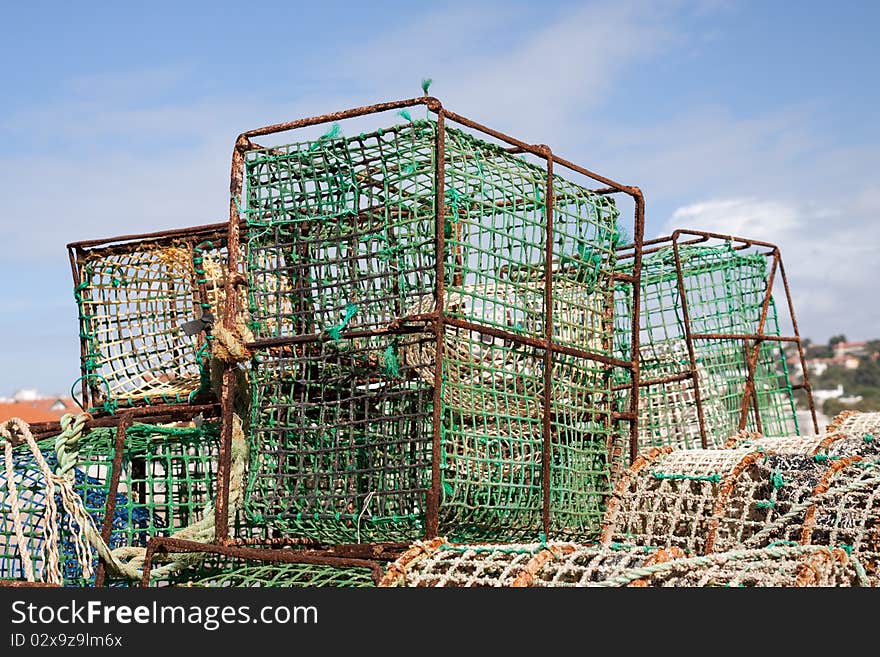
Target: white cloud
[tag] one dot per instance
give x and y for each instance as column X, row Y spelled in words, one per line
column 830, row 262
column 760, row 220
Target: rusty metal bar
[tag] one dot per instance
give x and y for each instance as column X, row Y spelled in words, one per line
column 24, row 584
column 635, row 339
column 752, row 357
column 808, row 390
column 744, row 336
column 154, row 413
column 73, row 255
column 537, row 342
column 230, row 310
column 125, row 421
column 432, row 510
column 652, row 382
column 268, row 555
column 689, row 338
column 432, row 103
column 157, row 235
column 547, row 400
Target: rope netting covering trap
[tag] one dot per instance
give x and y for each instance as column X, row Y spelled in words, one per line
column 696, row 318
column 165, row 487
column 842, row 510
column 144, row 305
column 438, row 563
column 704, row 501
column 855, row 434
column 779, row 566
column 342, row 258
column 696, row 500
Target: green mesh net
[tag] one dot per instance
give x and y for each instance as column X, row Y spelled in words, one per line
column 342, row 261
column 216, row 570
column 724, row 290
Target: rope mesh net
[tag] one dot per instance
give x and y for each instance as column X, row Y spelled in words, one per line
column 841, row 510
column 855, row 434
column 704, row 501
column 341, row 256
column 438, row 563
column 724, row 291
column 695, row 500
column 166, row 480
column 133, row 299
column 771, row 566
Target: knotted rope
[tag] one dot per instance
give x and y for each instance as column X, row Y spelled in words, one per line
column 16, row 432
column 229, row 345
column 126, row 561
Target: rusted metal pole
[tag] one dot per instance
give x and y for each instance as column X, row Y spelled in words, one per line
column 753, row 353
column 808, row 390
column 547, row 401
column 125, row 421
column 266, row 555
column 432, row 511
column 230, row 311
column 635, row 339
column 73, row 254
column 689, row 339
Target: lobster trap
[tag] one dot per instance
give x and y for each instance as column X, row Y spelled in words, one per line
column 841, row 511
column 710, row 353
column 780, row 566
column 144, row 304
column 135, row 481
column 696, row 500
column 853, row 433
column 432, row 310
column 438, row 563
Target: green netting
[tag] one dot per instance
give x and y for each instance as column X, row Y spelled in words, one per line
column 133, row 299
column 166, row 481
column 725, row 289
column 217, row 571
column 341, row 254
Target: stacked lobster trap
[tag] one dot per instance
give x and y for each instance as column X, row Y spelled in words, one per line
column 415, row 328
column 433, row 324
column 711, row 355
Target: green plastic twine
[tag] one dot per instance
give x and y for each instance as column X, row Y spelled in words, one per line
column 868, row 437
column 776, row 479
column 406, row 115
column 332, row 133
column 335, row 332
column 391, row 365
column 426, row 83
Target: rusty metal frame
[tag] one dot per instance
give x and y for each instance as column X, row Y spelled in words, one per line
column 751, row 341
column 79, row 251
column 359, row 555
column 437, row 319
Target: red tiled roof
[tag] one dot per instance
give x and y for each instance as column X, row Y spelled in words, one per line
column 37, row 410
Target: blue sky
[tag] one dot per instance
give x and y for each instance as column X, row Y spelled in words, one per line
column 757, row 118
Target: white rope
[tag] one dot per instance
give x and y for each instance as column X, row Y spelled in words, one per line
column 125, row 561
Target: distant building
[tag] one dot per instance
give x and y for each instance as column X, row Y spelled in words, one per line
column 817, row 366
column 843, row 349
column 820, row 396
column 30, row 406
